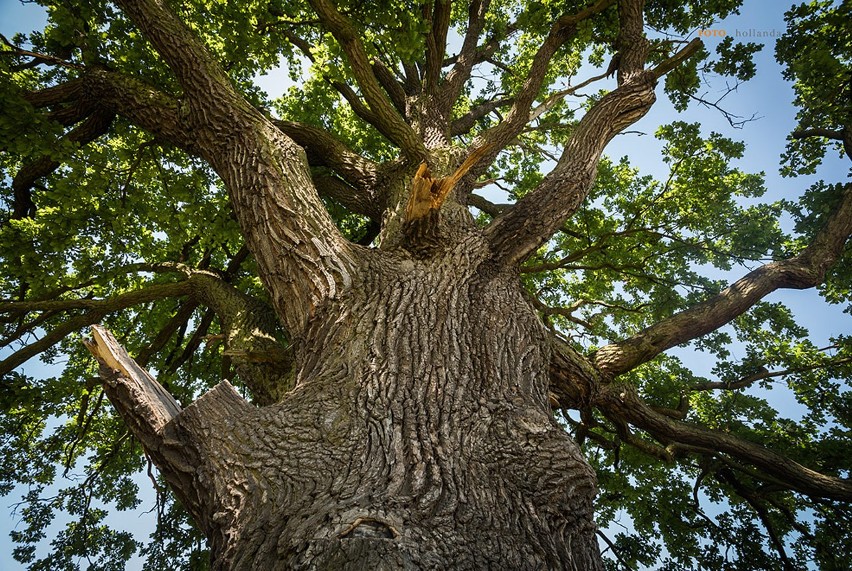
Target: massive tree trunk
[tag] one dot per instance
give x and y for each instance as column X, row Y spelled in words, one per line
column 418, row 435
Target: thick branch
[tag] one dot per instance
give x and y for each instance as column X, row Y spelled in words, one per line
column 140, row 103
column 844, row 136
column 576, row 383
column 387, row 120
column 467, row 121
column 805, row 270
column 438, row 12
column 153, row 407
column 323, row 149
column 355, row 102
column 198, row 72
column 519, row 115
column 488, row 207
column 178, row 441
column 395, row 91
column 253, row 337
column 89, row 130
column 818, row 132
column 519, row 232
column 687, row 52
column 631, row 43
column 97, row 96
column 354, row 199
column 623, row 403
column 62, row 93
column 466, row 58
column 301, row 256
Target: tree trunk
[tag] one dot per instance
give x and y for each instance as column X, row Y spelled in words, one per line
column 418, row 435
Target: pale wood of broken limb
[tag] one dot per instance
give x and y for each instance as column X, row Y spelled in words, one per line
column 429, row 193
column 141, row 392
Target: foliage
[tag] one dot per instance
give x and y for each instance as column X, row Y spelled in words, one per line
column 116, row 210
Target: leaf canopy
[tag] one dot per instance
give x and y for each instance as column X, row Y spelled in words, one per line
column 106, row 222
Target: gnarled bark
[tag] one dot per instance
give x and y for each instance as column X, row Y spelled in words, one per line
column 418, row 435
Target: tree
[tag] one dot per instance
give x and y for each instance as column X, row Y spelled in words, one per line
column 409, row 385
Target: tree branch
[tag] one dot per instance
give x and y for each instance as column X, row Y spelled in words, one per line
column 140, row 103
column 38, row 58
column 684, row 54
column 466, row 58
column 554, row 98
column 518, row 116
column 95, row 311
column 387, row 120
column 149, row 398
column 624, row 403
column 169, row 434
column 323, row 149
column 574, row 381
column 577, row 384
column 844, row 136
column 488, row 207
column 802, row 271
column 818, row 132
column 350, row 197
column 23, row 206
column 438, row 12
column 94, row 98
column 533, row 219
column 265, row 171
column 195, row 68
column 466, row 122
column 395, row 91
column 765, row 374
column 178, row 322
column 519, row 232
column 253, row 338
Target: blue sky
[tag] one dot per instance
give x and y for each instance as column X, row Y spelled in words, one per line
column 768, row 96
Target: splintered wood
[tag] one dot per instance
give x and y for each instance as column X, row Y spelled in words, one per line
column 429, row 193
column 142, row 389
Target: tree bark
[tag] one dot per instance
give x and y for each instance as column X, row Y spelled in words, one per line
column 418, row 435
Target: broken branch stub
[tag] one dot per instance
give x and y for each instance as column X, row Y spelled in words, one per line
column 140, row 399
column 428, row 194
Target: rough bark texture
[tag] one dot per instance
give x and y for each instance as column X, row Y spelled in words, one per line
column 419, row 435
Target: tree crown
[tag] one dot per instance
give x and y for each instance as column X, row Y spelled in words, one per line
column 120, row 123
